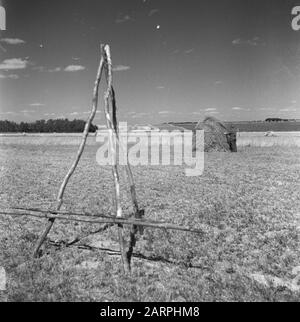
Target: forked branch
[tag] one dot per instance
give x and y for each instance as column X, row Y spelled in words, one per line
column 78, row 156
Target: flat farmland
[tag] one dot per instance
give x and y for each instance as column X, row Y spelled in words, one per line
column 259, row 139
column 251, row 138
column 253, row 126
column 247, row 203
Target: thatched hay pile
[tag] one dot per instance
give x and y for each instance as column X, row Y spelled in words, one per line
column 215, row 136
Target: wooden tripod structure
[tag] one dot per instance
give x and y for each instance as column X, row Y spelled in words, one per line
column 136, row 222
column 110, row 110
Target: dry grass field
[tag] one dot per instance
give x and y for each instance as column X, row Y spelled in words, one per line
column 258, row 139
column 253, row 126
column 251, row 199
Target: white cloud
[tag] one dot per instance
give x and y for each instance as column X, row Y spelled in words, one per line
column 11, row 76
column 213, row 112
column 267, row 109
column 37, row 104
column 164, row 112
column 237, row 108
column 153, row 12
column 44, row 69
column 54, row 70
column 74, row 68
column 160, row 87
column 7, row 113
column 123, row 19
column 237, row 41
column 39, row 68
column 288, row 110
column 255, row 41
column 189, row 51
column 12, row 41
column 139, row 115
column 121, row 68
column 27, row 111
column 13, row 63
column 74, row 113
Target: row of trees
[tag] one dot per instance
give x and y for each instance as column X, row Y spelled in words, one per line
column 279, row 120
column 43, row 126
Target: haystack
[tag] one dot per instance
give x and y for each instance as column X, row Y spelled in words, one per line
column 216, row 136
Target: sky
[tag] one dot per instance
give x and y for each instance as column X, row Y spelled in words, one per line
column 174, row 60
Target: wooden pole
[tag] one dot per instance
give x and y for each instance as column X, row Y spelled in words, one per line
column 78, row 156
column 72, row 213
column 113, row 131
column 128, row 168
column 138, row 214
column 114, row 221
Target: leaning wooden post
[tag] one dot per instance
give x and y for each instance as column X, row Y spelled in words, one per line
column 138, row 214
column 79, row 154
column 113, row 132
column 127, row 167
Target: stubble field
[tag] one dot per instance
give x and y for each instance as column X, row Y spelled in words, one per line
column 249, row 202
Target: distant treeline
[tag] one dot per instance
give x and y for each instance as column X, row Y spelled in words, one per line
column 43, row 126
column 280, row 120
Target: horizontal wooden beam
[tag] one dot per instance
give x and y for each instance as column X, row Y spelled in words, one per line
column 112, row 220
column 72, row 213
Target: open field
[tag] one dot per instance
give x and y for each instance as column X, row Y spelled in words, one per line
column 253, row 126
column 258, row 139
column 244, row 139
column 253, row 136
column 45, row 140
column 251, row 199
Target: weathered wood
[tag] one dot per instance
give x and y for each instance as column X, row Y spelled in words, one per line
column 72, row 213
column 113, row 130
column 127, row 167
column 78, row 156
column 136, row 222
column 137, row 213
column 112, row 220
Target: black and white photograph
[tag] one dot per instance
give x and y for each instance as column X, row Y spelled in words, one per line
column 149, row 153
